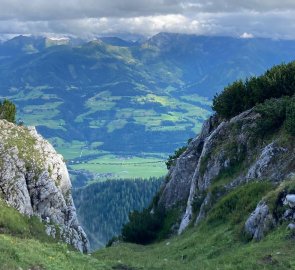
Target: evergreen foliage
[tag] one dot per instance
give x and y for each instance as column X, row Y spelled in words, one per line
column 7, row 111
column 273, row 114
column 242, row 95
column 152, row 224
column 172, row 158
column 177, row 153
column 111, row 201
column 143, row 227
column 276, row 113
column 290, row 117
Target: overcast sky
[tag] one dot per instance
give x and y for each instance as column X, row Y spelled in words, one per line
column 90, row 18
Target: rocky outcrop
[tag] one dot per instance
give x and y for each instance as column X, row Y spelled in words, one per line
column 263, row 165
column 260, row 222
column 34, row 180
column 177, row 188
column 232, row 148
column 290, row 200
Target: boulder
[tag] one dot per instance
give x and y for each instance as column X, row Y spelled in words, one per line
column 259, row 222
column 290, row 200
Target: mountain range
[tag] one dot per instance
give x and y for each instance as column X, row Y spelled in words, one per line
column 123, row 99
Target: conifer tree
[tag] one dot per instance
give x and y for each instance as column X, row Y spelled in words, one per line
column 7, row 111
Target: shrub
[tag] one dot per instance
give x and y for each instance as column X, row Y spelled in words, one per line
column 242, row 95
column 142, row 227
column 273, row 114
column 290, row 117
column 7, row 111
column 171, row 159
column 231, row 101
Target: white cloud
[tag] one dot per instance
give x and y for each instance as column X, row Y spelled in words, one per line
column 247, row 35
column 88, row 18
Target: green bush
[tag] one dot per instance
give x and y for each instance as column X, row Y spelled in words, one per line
column 290, row 117
column 171, row 159
column 240, row 96
column 142, row 227
column 149, row 226
column 7, row 111
column 273, row 114
column 231, row 101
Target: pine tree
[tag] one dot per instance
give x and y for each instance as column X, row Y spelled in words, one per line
column 7, row 111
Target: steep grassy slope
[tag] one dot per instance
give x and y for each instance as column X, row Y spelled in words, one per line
column 24, row 244
column 218, row 243
column 213, row 245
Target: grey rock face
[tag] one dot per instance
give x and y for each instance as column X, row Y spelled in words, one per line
column 211, row 162
column 259, row 222
column 219, row 147
column 180, row 175
column 262, row 165
column 34, row 180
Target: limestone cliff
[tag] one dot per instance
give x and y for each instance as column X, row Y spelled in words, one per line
column 34, row 180
column 225, row 155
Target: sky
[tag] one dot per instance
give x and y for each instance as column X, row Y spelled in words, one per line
column 91, row 18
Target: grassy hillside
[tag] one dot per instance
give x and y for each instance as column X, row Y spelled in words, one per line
column 213, row 245
column 218, row 243
column 25, row 245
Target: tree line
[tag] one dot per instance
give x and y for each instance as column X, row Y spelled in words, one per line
column 103, row 208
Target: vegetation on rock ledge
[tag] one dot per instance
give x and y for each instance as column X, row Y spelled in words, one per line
column 7, row 111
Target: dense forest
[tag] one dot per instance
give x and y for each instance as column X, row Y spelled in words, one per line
column 104, row 207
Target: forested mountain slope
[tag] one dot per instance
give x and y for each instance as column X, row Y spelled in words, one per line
column 149, row 97
column 111, row 201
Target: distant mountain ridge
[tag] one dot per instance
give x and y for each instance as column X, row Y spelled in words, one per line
column 148, row 97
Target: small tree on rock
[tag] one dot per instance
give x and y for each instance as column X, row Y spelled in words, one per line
column 7, row 111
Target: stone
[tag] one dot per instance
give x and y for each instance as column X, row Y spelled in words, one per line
column 288, row 214
column 34, row 180
column 177, row 188
column 291, row 226
column 262, row 165
column 290, row 200
column 259, row 222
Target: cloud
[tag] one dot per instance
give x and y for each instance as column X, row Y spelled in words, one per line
column 246, row 35
column 89, row 18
